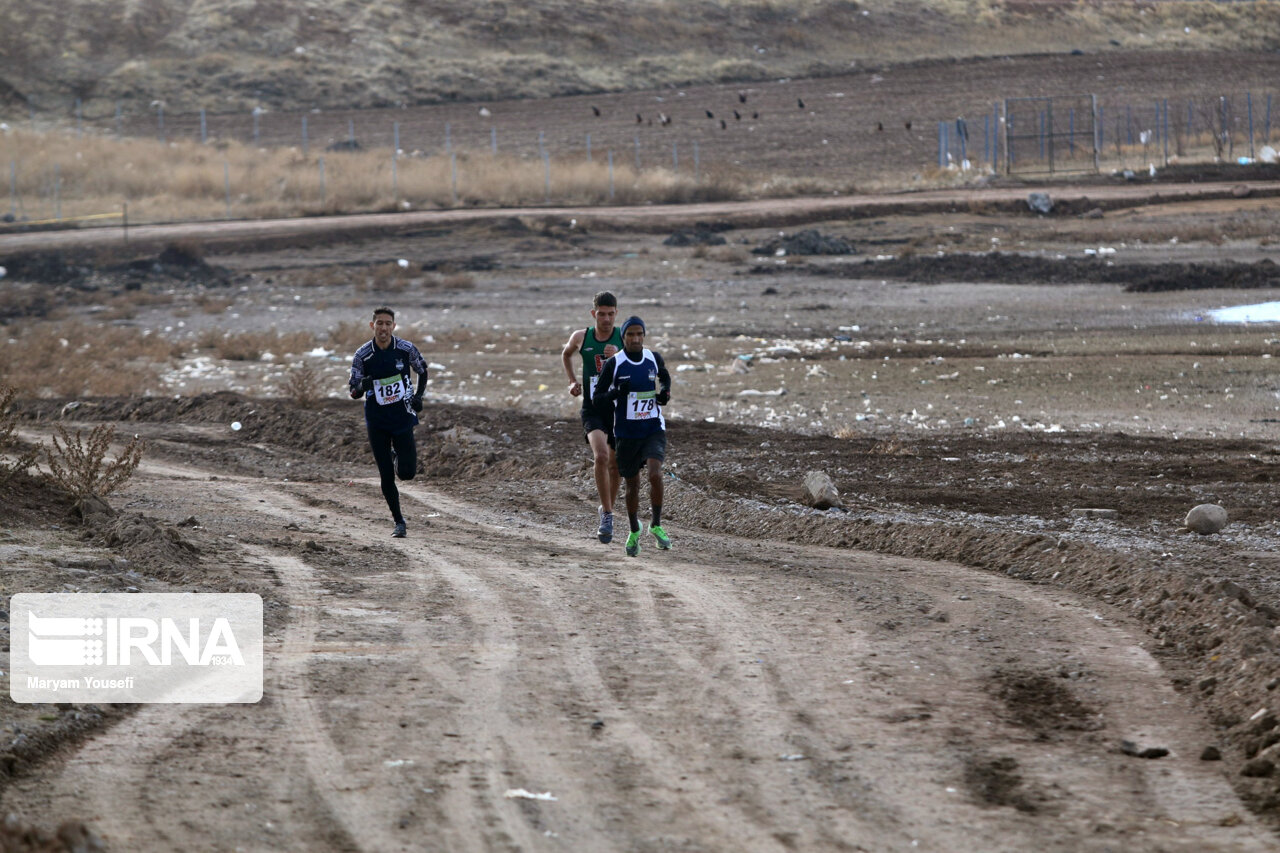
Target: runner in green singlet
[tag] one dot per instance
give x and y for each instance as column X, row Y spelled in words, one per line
column 596, row 345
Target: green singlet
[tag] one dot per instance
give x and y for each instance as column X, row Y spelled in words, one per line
column 592, row 352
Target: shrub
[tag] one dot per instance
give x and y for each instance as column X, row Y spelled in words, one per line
column 79, row 466
column 8, row 425
column 304, row 385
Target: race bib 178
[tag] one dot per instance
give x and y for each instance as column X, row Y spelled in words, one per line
column 641, row 405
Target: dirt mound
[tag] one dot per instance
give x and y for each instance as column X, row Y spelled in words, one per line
column 808, row 242
column 700, row 235
column 1004, row 268
column 18, row 836
column 82, row 268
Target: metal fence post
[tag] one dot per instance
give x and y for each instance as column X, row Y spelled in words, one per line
column 1165, row 115
column 493, row 140
column 1097, row 129
column 226, row 184
column 79, row 118
column 1248, row 96
column 395, row 176
column 546, row 175
column 395, row 135
column 610, row 173
column 204, row 127
column 637, row 152
column 57, row 192
column 588, row 147
column 453, row 167
column 675, row 157
column 13, row 189
column 304, row 135
column 995, row 138
column 323, row 198
column 448, row 139
column 351, row 130
column 696, row 165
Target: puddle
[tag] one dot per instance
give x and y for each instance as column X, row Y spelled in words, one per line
column 1262, row 312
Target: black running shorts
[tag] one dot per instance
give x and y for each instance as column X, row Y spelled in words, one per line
column 591, row 421
column 632, row 452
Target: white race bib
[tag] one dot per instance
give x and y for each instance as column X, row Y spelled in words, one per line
column 389, row 390
column 641, row 405
column 591, row 392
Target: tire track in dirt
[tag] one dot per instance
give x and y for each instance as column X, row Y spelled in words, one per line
column 1126, row 672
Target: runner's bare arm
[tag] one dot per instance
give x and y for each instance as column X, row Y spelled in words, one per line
column 566, row 358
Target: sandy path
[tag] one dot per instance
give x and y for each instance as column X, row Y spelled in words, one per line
column 715, row 696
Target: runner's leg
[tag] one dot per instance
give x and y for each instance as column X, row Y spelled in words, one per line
column 406, row 454
column 605, row 468
column 380, row 441
column 615, row 479
column 655, row 486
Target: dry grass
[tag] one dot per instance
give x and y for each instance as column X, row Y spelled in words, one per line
column 253, row 346
column 161, row 182
column 69, row 359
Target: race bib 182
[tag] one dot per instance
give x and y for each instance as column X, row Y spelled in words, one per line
column 389, row 390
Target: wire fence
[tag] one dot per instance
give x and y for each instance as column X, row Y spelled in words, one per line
column 1065, row 134
column 1029, row 136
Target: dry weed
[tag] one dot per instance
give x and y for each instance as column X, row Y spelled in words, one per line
column 24, row 459
column 78, row 464
column 304, row 385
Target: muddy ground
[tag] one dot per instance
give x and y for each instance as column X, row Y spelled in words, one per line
column 951, row 660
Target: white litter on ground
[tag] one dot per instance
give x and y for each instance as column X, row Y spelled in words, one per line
column 1261, row 312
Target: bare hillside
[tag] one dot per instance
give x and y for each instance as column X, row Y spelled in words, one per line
column 237, row 54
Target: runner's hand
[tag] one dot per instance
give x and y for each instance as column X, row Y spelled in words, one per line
column 416, row 402
column 575, row 388
column 366, row 384
column 663, row 397
column 621, row 388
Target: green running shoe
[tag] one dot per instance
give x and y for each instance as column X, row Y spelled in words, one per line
column 633, row 544
column 664, row 541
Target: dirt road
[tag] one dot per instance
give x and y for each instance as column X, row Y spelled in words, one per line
column 770, row 696
column 647, row 217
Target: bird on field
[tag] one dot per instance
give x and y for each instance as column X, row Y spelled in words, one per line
column 710, row 114
column 755, row 114
column 484, row 112
column 742, row 97
column 737, row 116
column 908, row 124
column 664, row 119
column 800, row 102
column 596, row 110
column 879, row 127
column 639, row 120
column 722, row 124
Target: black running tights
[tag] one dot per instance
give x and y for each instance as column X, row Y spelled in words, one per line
column 395, row 453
